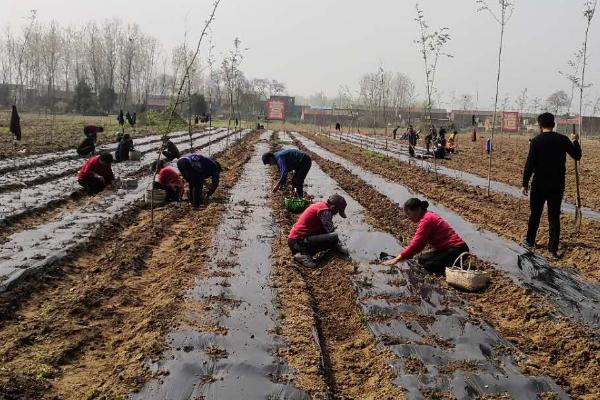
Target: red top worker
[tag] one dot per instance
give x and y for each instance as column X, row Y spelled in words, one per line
column 433, row 230
column 314, row 231
column 96, row 173
column 169, row 180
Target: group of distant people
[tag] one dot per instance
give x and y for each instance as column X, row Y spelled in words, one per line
column 436, row 143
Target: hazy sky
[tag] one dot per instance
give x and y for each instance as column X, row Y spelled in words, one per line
column 315, row 45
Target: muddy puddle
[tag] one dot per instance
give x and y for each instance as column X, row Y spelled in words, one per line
column 234, row 358
column 400, row 153
column 440, row 348
column 14, row 204
column 27, row 251
column 573, row 297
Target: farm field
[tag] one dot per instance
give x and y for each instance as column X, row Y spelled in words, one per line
column 130, row 304
column 235, row 200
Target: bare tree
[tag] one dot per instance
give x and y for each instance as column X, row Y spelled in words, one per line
column 21, row 55
column 522, row 101
column 431, row 45
column 573, row 75
column 558, row 101
column 502, row 16
column 588, row 13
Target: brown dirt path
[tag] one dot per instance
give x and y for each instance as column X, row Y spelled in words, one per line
column 503, row 214
column 324, row 300
column 556, row 347
column 85, row 328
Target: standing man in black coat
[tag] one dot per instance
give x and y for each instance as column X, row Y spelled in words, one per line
column 546, row 162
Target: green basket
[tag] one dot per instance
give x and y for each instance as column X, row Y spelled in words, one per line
column 295, row 204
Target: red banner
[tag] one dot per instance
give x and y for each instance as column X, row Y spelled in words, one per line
column 276, row 110
column 510, row 121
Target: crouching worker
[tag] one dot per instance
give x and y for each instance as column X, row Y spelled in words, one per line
column 314, row 231
column 123, row 148
column 195, row 169
column 96, row 173
column 168, row 179
column 289, row 160
column 171, row 151
column 88, row 146
column 436, row 232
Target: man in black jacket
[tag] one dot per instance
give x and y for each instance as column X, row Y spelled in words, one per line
column 546, row 162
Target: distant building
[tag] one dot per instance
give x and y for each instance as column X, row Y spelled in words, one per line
column 158, row 102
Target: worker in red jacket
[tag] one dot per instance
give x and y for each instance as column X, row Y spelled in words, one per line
column 96, row 173
column 434, row 231
column 314, row 231
column 169, row 180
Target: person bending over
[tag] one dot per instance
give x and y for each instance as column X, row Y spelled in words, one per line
column 314, row 231
column 289, row 160
column 195, row 170
column 412, row 140
column 171, row 151
column 168, row 179
column 88, row 146
column 123, row 148
column 546, row 162
column 432, row 230
column 96, row 173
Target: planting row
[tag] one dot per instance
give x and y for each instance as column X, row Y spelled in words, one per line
column 20, row 163
column 27, row 251
column 234, row 356
column 529, row 320
column 15, row 204
column 26, row 177
column 506, row 215
column 399, row 152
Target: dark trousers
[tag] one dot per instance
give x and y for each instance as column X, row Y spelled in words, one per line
column 539, row 195
column 311, row 245
column 300, row 175
column 172, row 194
column 436, row 262
column 411, row 150
column 192, row 173
column 92, row 185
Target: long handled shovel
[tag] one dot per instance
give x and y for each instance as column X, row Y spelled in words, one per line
column 578, row 202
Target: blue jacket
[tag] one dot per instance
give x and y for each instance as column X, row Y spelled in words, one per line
column 287, row 160
column 206, row 168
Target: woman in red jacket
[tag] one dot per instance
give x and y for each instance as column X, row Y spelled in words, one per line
column 432, row 230
column 169, row 180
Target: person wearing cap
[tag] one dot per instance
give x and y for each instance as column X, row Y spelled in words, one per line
column 289, row 160
column 195, row 169
column 546, row 163
column 96, row 173
column 314, row 231
column 434, row 231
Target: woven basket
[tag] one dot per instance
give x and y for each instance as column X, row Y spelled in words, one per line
column 135, row 155
column 155, row 196
column 295, row 204
column 466, row 279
